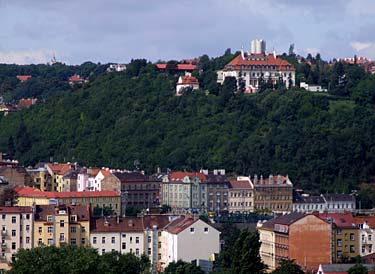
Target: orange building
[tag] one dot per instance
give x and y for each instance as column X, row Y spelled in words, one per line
column 303, row 238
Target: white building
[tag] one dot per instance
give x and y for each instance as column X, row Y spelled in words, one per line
column 256, row 68
column 186, row 82
column 313, row 88
column 366, row 239
column 330, row 203
column 189, row 239
column 116, row 68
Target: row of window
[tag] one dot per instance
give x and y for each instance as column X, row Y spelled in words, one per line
column 14, row 218
column 351, row 249
column 73, row 229
column 113, row 239
column 73, row 241
column 240, row 204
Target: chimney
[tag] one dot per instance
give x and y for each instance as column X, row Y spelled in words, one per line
column 271, row 179
column 261, row 179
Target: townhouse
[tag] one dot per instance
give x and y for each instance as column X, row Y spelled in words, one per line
column 40, row 177
column 57, row 171
column 16, row 232
column 217, row 191
column 27, row 196
column 284, row 237
column 61, row 224
column 241, row 195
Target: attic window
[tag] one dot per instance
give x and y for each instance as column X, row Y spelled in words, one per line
column 206, row 230
column 192, row 230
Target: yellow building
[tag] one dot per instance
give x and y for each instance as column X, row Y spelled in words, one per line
column 27, row 196
column 41, row 178
column 64, row 224
column 57, row 172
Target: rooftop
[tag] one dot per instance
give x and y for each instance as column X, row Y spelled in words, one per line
column 33, row 192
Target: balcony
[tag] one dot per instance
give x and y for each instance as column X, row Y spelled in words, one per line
column 3, row 232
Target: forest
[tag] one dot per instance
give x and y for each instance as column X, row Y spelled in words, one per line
column 323, row 141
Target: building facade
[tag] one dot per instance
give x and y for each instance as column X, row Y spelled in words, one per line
column 217, row 186
column 16, row 232
column 241, row 195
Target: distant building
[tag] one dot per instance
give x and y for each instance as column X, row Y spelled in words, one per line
column 186, row 82
column 26, row 103
column 341, row 268
column 16, row 232
column 256, row 68
column 23, row 78
column 57, row 172
column 241, row 195
column 180, row 67
column 313, row 88
column 61, row 224
column 41, row 178
column 116, row 68
column 303, row 238
column 77, row 79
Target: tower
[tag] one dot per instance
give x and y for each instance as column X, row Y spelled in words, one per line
column 258, row 46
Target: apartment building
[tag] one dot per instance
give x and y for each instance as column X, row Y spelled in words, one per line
column 217, row 190
column 283, row 237
column 345, row 242
column 273, row 194
column 16, row 232
column 241, row 195
column 125, row 235
column 27, row 196
column 331, row 203
column 61, row 224
column 40, row 177
column 57, row 171
column 188, row 239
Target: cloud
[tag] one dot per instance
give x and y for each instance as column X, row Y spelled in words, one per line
column 359, row 46
column 26, row 57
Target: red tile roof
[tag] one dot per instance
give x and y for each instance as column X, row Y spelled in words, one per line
column 159, row 221
column 15, row 209
column 179, row 66
column 187, row 80
column 105, row 172
column 344, row 220
column 179, row 175
column 81, row 211
column 33, row 192
column 26, row 103
column 127, row 224
column 76, row 78
column 240, row 184
column 239, row 63
column 369, row 219
column 180, row 224
column 23, row 78
column 60, row 169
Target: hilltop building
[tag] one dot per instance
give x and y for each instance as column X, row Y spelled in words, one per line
column 257, row 67
column 186, row 82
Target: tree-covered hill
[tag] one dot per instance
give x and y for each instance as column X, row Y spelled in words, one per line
column 323, row 142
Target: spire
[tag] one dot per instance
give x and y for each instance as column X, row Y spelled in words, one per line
column 242, row 53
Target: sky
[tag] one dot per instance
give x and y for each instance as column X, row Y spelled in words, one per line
column 104, row 31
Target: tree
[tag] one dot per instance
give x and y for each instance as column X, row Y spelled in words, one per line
column 11, row 147
column 181, row 267
column 288, row 266
column 22, row 139
column 358, row 269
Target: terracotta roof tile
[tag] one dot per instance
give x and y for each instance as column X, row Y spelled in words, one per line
column 179, row 175
column 127, row 224
column 33, row 192
column 15, row 209
column 234, row 184
column 259, row 60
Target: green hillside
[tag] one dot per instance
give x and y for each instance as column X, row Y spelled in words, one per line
column 323, row 142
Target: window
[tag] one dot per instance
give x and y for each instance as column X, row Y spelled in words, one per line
column 103, row 251
column 3, row 216
column 113, row 240
column 131, row 239
column 352, row 236
column 14, row 219
column 49, row 218
column 13, row 246
column 103, row 240
column 137, row 251
column 27, row 216
column 83, row 241
column 73, row 241
column 40, row 241
column 94, row 240
column 192, row 230
column 40, row 229
column 149, row 251
column 339, row 253
column 13, row 233
column 370, row 237
column 149, row 239
column 83, row 229
column 159, row 256
column 131, row 250
column 137, row 240
column 352, row 250
column 62, row 237
column 50, row 241
column 339, row 242
column 62, row 223
column 27, row 228
column 73, row 229
column 339, row 231
column 123, row 246
column 27, row 240
column 50, row 229
column 206, row 230
column 159, row 244
column 123, row 235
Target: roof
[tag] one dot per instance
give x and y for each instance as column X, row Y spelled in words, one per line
column 289, row 219
column 76, row 78
column 300, row 199
column 180, row 224
column 274, row 180
column 81, row 211
column 216, row 178
column 130, row 177
column 339, row 197
column 344, row 220
column 15, row 209
column 238, row 63
column 342, row 268
column 26, row 103
column 179, row 175
column 240, row 184
column 23, row 78
column 179, row 66
column 33, row 192
column 126, row 224
column 187, row 80
column 159, row 221
column 370, row 220
column 105, row 172
column 60, row 169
